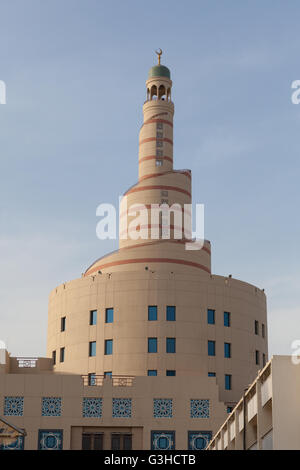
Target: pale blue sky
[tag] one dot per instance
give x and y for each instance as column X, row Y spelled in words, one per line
column 75, row 72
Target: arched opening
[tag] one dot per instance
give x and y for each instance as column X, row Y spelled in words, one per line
column 161, row 93
column 153, row 92
column 169, row 94
column 148, row 94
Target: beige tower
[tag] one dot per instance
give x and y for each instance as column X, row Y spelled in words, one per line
column 153, row 307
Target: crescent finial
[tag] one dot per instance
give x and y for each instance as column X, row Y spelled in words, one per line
column 159, row 53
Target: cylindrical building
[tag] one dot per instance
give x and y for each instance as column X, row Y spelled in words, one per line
column 153, row 307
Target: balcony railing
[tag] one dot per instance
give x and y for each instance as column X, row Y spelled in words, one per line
column 116, row 380
column 27, row 362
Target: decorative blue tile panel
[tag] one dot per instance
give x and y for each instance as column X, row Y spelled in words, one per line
column 199, row 408
column 18, row 444
column 162, row 440
column 121, row 408
column 198, row 440
column 162, row 407
column 51, row 406
column 13, row 406
column 92, row 408
column 50, row 439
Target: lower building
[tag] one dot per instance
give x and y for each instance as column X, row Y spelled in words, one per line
column 267, row 416
column 64, row 411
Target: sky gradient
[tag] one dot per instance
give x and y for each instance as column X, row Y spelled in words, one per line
column 75, row 73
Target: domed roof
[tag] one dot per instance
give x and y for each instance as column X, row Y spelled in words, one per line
column 159, row 71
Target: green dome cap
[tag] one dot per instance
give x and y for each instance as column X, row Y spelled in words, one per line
column 159, row 71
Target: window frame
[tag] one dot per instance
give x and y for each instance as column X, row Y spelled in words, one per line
column 211, row 320
column 227, row 319
column 109, row 315
column 92, row 353
column 152, row 341
column 171, row 313
column 211, row 343
column 150, row 312
column 93, row 317
column 169, row 342
column 108, row 351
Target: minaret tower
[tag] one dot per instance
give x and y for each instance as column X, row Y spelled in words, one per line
column 156, row 134
column 158, row 184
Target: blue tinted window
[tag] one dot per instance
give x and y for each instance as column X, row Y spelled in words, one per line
column 210, row 317
column 226, row 319
column 108, row 349
column 257, row 357
column 227, row 382
column 171, row 345
column 227, row 350
column 152, row 313
column 62, row 354
column 92, row 379
column 108, row 374
column 93, row 317
column 63, row 324
column 92, row 348
column 211, row 348
column 109, row 315
column 229, row 409
column 170, row 373
column 152, row 373
column 211, row 374
column 171, row 313
column 152, row 345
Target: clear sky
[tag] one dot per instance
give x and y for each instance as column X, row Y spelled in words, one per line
column 75, row 72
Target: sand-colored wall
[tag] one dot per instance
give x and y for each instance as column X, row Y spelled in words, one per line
column 130, row 294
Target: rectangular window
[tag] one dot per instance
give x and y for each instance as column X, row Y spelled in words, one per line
column 211, row 348
column 210, row 316
column 62, row 355
column 226, row 318
column 121, row 441
column 92, row 348
column 159, row 153
column 108, row 347
column 159, row 143
column 152, row 313
column 159, row 162
column 257, row 357
column 109, row 315
column 159, row 134
column 170, row 373
column 263, row 333
column 152, row 345
column 159, row 125
column 229, row 409
column 108, row 374
column 211, row 374
column 171, row 345
column 54, row 357
column 92, row 379
column 164, row 193
column 152, row 373
column 227, row 382
column 256, row 327
column 63, row 324
column 93, row 317
column 227, row 350
column 264, row 360
column 92, row 441
column 171, row 313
